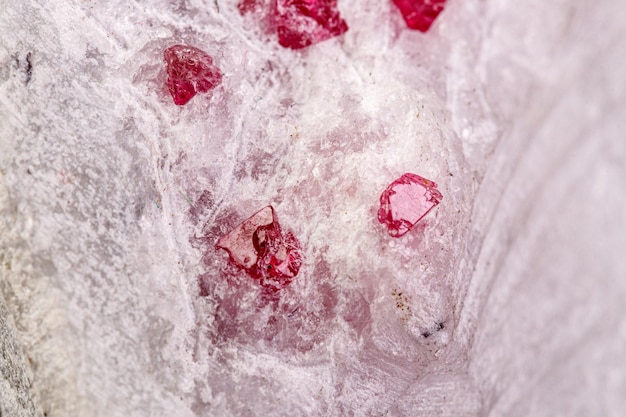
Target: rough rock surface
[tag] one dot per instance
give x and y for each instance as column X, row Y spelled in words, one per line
column 17, row 397
column 507, row 301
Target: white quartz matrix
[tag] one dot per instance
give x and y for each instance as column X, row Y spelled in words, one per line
column 508, row 299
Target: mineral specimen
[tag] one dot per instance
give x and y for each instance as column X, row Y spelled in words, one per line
column 300, row 23
column 189, row 71
column 420, row 14
column 264, row 250
column 405, row 201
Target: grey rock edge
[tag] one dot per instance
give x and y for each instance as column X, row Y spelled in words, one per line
column 17, row 397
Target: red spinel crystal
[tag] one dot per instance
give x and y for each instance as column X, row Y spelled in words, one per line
column 420, row 14
column 264, row 250
column 406, row 201
column 189, row 71
column 299, row 23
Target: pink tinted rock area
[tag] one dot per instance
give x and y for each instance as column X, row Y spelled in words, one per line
column 264, row 250
column 420, row 14
column 300, row 23
column 405, row 201
column 189, row 71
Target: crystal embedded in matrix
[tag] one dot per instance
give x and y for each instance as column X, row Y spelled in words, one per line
column 420, row 14
column 405, row 201
column 189, row 71
column 263, row 249
column 300, row 23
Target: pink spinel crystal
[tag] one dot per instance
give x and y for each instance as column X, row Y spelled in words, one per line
column 420, row 14
column 264, row 250
column 189, row 71
column 300, row 23
column 405, row 201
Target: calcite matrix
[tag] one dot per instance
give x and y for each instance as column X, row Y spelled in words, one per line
column 189, row 71
column 261, row 247
column 405, row 201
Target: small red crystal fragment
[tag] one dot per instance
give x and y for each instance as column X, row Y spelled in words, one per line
column 189, row 71
column 299, row 23
column 405, row 201
column 260, row 246
column 246, row 6
column 420, row 14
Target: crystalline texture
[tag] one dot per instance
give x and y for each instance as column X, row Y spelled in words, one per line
column 264, row 250
column 300, row 23
column 405, row 201
column 189, row 71
column 420, row 14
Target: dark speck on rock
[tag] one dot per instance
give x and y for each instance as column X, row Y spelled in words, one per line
column 28, row 69
column 438, row 327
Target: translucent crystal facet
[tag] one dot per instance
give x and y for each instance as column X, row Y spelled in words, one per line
column 299, row 23
column 420, row 14
column 263, row 249
column 189, row 71
column 405, row 201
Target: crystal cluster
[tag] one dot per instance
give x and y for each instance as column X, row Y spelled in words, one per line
column 189, row 71
column 264, row 250
column 405, row 201
column 420, row 14
column 300, row 23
